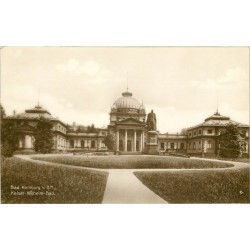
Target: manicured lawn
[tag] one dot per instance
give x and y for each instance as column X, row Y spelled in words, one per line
column 62, row 184
column 208, row 186
column 133, row 162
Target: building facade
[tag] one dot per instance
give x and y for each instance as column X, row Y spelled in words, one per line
column 203, row 139
column 128, row 126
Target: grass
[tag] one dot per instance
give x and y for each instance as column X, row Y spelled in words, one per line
column 66, row 185
column 133, row 162
column 209, row 186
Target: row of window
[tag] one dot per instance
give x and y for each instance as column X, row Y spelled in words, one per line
column 60, row 142
column 84, row 144
column 194, row 133
column 59, row 127
column 172, row 146
column 198, row 145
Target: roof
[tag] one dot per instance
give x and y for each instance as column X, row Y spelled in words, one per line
column 217, row 120
column 217, row 116
column 127, row 102
column 171, row 136
column 37, row 109
column 34, row 113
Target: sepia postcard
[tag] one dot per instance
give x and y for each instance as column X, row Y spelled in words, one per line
column 124, row 125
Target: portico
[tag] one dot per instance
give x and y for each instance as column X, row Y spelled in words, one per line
column 130, row 134
column 130, row 139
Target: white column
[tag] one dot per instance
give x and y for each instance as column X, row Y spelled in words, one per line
column 142, row 140
column 126, row 138
column 32, row 141
column 135, row 140
column 117, row 140
column 20, row 142
column 27, row 141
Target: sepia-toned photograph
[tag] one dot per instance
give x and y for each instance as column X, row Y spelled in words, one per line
column 124, row 125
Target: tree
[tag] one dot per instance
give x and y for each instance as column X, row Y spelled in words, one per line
column 230, row 142
column 110, row 142
column 8, row 136
column 43, row 136
column 91, row 129
column 183, row 131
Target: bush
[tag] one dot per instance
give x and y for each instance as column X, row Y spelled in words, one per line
column 135, row 162
column 245, row 155
column 110, row 142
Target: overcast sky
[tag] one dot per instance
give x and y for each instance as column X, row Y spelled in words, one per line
column 80, row 84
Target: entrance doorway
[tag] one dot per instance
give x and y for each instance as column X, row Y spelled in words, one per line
column 120, row 145
column 129, row 145
column 137, row 145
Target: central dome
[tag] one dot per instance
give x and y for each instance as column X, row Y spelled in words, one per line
column 127, row 102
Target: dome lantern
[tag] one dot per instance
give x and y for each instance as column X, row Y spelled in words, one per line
column 127, row 94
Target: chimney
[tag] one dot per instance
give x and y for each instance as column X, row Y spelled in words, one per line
column 14, row 112
column 74, row 126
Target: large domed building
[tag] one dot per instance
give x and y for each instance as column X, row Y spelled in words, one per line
column 128, row 122
column 128, row 126
column 127, row 107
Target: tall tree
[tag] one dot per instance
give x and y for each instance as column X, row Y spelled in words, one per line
column 43, row 136
column 8, row 136
column 230, row 142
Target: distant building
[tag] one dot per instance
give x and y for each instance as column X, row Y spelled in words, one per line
column 203, row 138
column 128, row 126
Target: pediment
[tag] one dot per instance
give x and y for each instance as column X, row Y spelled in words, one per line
column 130, row 121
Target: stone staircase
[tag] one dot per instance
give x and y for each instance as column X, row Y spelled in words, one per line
column 130, row 153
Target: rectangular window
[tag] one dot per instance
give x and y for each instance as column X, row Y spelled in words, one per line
column 172, row 145
column 199, row 131
column 209, row 131
column 92, row 144
column 190, row 134
column 182, row 145
column 82, row 143
column 209, row 144
column 194, row 132
column 71, row 142
column 194, row 146
column 103, row 144
column 162, row 145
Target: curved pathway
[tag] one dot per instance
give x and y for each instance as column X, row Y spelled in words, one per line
column 123, row 187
